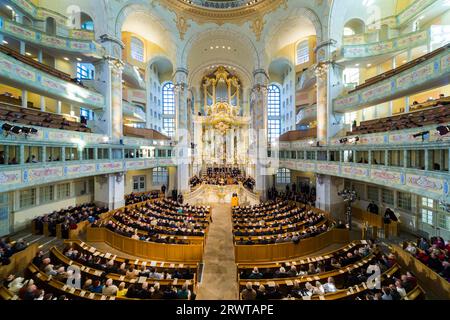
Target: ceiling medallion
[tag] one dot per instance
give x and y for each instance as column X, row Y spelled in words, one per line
column 237, row 15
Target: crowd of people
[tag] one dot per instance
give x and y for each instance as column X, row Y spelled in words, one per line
column 162, row 221
column 102, row 284
column 26, row 289
column 276, row 222
column 433, row 252
column 389, row 288
column 303, row 194
column 8, row 248
column 340, row 260
column 222, row 177
column 133, row 198
column 68, row 218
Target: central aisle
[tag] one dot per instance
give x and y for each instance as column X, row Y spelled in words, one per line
column 219, row 274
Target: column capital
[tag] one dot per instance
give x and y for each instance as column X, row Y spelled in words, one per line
column 321, row 69
column 114, row 63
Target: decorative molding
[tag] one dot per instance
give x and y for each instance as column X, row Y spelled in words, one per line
column 182, row 25
column 257, row 27
column 239, row 15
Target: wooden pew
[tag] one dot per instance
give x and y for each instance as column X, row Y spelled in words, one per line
column 191, row 253
column 19, row 261
column 303, row 260
column 92, row 273
column 284, row 251
column 440, row 287
column 336, row 274
column 51, row 285
column 159, row 265
column 6, row 294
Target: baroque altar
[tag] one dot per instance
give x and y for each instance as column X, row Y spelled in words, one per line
column 221, row 133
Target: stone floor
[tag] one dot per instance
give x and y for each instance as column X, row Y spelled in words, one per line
column 219, row 280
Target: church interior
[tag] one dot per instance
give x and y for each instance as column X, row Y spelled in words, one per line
column 231, row 150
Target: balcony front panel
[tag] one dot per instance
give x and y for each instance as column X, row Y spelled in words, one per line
column 403, row 42
column 307, row 114
column 30, row 175
column 133, row 112
column 17, row 73
column 430, row 184
column 75, row 45
column 397, row 137
column 426, row 75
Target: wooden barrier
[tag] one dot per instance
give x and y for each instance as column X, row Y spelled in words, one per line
column 19, row 261
column 147, row 250
column 284, row 251
column 376, row 221
column 423, row 273
column 5, row 294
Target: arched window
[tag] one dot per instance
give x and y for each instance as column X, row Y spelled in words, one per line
column 86, row 22
column 137, row 49
column 168, row 108
column 302, row 52
column 274, row 112
column 283, row 176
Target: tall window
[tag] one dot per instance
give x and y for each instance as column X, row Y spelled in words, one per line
column 274, row 112
column 160, row 176
column 27, row 198
column 351, row 75
column 85, row 71
column 284, row 176
column 88, row 114
column 88, row 25
column 63, row 191
column 168, row 108
column 302, row 52
column 404, row 201
column 46, row 194
column 137, row 49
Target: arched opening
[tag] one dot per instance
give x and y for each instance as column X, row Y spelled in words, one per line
column 384, row 33
column 86, row 22
column 50, row 26
column 354, row 26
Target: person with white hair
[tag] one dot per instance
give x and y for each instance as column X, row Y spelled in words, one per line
column 110, row 289
column 329, row 286
column 248, row 293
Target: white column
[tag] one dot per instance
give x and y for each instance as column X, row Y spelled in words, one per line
column 182, row 135
column 42, row 103
column 40, row 56
column 58, row 107
column 258, row 151
column 24, row 99
column 23, row 48
column 109, row 191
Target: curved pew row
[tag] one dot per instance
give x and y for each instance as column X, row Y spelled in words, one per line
column 244, row 269
column 266, row 253
column 349, row 293
column 337, row 274
column 82, row 247
column 52, row 285
column 94, row 273
column 186, row 253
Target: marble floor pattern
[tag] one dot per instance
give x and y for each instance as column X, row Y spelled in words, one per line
column 220, row 273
